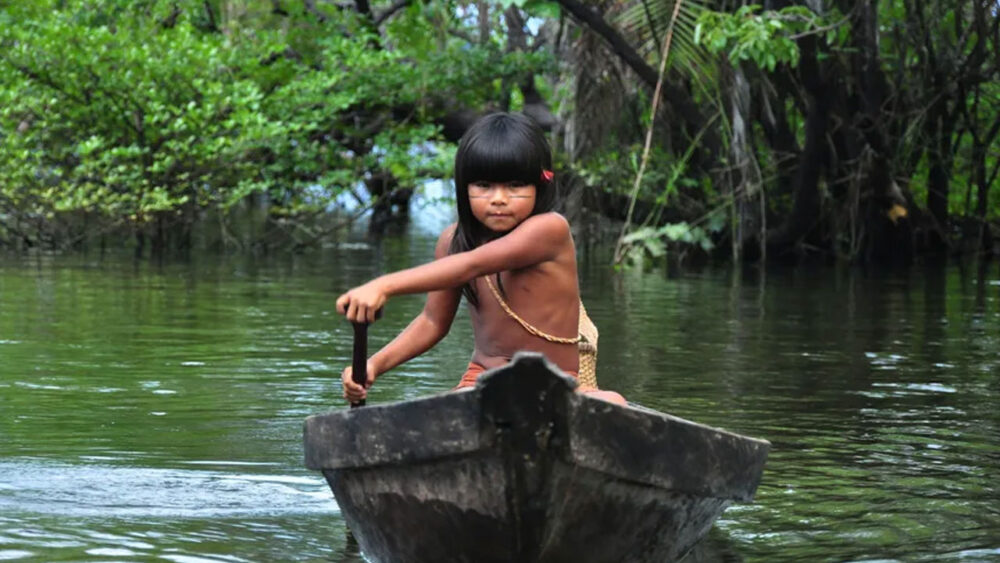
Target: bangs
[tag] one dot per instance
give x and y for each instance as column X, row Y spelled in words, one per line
column 507, row 157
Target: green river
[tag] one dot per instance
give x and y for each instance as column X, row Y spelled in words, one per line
column 153, row 411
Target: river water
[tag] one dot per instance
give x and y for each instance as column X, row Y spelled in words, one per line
column 153, row 411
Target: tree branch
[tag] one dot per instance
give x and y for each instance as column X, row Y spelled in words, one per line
column 210, row 13
column 310, row 6
column 277, row 9
column 679, row 98
column 399, row 5
column 462, row 34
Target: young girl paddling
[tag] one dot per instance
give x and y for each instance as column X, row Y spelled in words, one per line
column 506, row 236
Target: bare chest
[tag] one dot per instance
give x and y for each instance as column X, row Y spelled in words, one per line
column 547, row 306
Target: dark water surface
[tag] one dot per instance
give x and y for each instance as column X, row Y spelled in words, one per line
column 154, row 411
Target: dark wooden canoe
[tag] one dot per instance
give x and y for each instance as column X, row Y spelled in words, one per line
column 523, row 469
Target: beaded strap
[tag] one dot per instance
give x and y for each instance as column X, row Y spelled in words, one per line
column 524, row 323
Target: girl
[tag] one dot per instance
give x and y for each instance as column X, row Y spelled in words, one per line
column 507, row 235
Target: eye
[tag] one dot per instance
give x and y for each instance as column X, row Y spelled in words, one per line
column 516, row 184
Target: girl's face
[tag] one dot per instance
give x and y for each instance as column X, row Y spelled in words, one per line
column 501, row 206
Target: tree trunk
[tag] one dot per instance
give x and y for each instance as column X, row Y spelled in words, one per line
column 805, row 208
column 140, row 242
column 744, row 185
column 937, row 200
column 773, row 119
column 985, row 238
column 680, row 101
column 887, row 235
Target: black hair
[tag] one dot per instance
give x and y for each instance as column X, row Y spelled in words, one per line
column 499, row 147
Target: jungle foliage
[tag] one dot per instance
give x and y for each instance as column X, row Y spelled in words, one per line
column 148, row 117
column 865, row 131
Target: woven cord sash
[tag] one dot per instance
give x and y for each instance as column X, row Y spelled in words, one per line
column 586, row 339
column 527, row 326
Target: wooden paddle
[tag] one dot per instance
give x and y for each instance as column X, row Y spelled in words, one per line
column 359, row 373
column 359, row 361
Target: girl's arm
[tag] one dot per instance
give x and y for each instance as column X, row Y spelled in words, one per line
column 538, row 239
column 426, row 330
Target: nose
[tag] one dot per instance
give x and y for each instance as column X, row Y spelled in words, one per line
column 498, row 195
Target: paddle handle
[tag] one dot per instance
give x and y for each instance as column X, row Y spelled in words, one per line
column 359, row 362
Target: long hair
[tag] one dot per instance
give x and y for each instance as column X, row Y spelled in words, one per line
column 500, row 147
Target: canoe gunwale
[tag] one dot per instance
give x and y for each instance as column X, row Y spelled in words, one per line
column 395, row 433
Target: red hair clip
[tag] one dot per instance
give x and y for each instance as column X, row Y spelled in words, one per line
column 547, row 175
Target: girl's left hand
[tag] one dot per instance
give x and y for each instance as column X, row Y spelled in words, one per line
column 360, row 304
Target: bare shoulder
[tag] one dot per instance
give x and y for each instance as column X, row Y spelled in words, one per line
column 444, row 241
column 551, row 224
column 447, row 233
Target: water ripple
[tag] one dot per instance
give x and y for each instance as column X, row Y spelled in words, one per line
column 114, row 491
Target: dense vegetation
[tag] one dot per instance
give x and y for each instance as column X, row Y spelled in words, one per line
column 865, row 131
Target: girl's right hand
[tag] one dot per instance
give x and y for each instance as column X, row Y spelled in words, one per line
column 363, row 303
column 352, row 391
